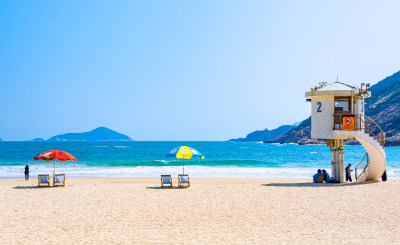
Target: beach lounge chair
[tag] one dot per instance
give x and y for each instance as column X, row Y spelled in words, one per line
column 59, row 180
column 320, row 179
column 43, row 179
column 166, row 181
column 183, row 180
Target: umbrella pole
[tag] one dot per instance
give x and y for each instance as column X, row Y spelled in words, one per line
column 184, row 166
column 54, row 169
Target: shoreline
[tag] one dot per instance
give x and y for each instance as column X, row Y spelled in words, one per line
column 195, row 171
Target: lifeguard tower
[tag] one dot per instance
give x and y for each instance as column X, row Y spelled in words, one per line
column 337, row 113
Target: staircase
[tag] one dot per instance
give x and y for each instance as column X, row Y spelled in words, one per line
column 374, row 145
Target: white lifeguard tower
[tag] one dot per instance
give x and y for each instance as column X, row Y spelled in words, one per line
column 337, row 113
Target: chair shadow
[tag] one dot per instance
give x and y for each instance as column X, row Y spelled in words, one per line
column 319, row 185
column 29, row 187
column 165, row 188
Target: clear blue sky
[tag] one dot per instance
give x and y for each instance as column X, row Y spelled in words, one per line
column 182, row 70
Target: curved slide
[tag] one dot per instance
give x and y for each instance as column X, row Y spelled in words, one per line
column 376, row 153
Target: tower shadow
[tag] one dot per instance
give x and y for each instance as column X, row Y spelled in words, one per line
column 320, row 185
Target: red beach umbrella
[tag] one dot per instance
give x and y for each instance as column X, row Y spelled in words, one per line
column 55, row 155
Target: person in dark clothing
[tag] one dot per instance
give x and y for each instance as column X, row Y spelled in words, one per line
column 384, row 176
column 327, row 178
column 27, row 172
column 348, row 173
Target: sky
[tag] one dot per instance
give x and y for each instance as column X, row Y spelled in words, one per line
column 182, row 70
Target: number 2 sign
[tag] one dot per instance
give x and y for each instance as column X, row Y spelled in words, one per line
column 319, row 104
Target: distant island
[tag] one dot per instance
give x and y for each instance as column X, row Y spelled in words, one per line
column 98, row 134
column 265, row 135
column 37, row 139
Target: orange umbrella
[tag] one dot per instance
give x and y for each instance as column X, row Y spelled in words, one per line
column 55, row 155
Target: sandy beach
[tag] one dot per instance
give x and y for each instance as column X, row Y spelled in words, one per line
column 222, row 211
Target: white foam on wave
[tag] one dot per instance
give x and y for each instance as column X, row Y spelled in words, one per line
column 162, row 161
column 155, row 171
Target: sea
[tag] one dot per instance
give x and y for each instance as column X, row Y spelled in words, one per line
column 147, row 159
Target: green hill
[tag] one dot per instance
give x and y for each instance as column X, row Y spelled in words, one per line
column 98, row 134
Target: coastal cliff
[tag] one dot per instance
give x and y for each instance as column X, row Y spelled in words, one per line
column 383, row 107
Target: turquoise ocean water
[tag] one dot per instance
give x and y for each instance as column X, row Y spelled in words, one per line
column 147, row 159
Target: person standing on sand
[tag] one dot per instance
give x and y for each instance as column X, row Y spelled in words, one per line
column 348, row 173
column 26, row 172
column 384, row 176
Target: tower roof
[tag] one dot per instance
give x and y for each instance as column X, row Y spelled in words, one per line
column 336, row 89
column 336, row 86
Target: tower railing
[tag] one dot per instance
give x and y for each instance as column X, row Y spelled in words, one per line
column 363, row 168
column 361, row 124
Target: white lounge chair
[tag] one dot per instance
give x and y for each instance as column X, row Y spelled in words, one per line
column 183, row 180
column 166, row 181
column 59, row 180
column 43, row 179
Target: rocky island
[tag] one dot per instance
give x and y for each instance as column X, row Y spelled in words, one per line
column 37, row 139
column 98, row 134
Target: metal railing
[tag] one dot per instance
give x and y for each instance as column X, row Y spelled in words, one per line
column 360, row 125
column 363, row 168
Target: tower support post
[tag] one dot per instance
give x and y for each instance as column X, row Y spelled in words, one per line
column 337, row 158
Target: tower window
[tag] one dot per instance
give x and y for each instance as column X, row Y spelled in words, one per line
column 342, row 105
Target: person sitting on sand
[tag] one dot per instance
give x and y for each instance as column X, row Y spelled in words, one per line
column 316, row 176
column 327, row 178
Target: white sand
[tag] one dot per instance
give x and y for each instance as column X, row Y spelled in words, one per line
column 225, row 211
